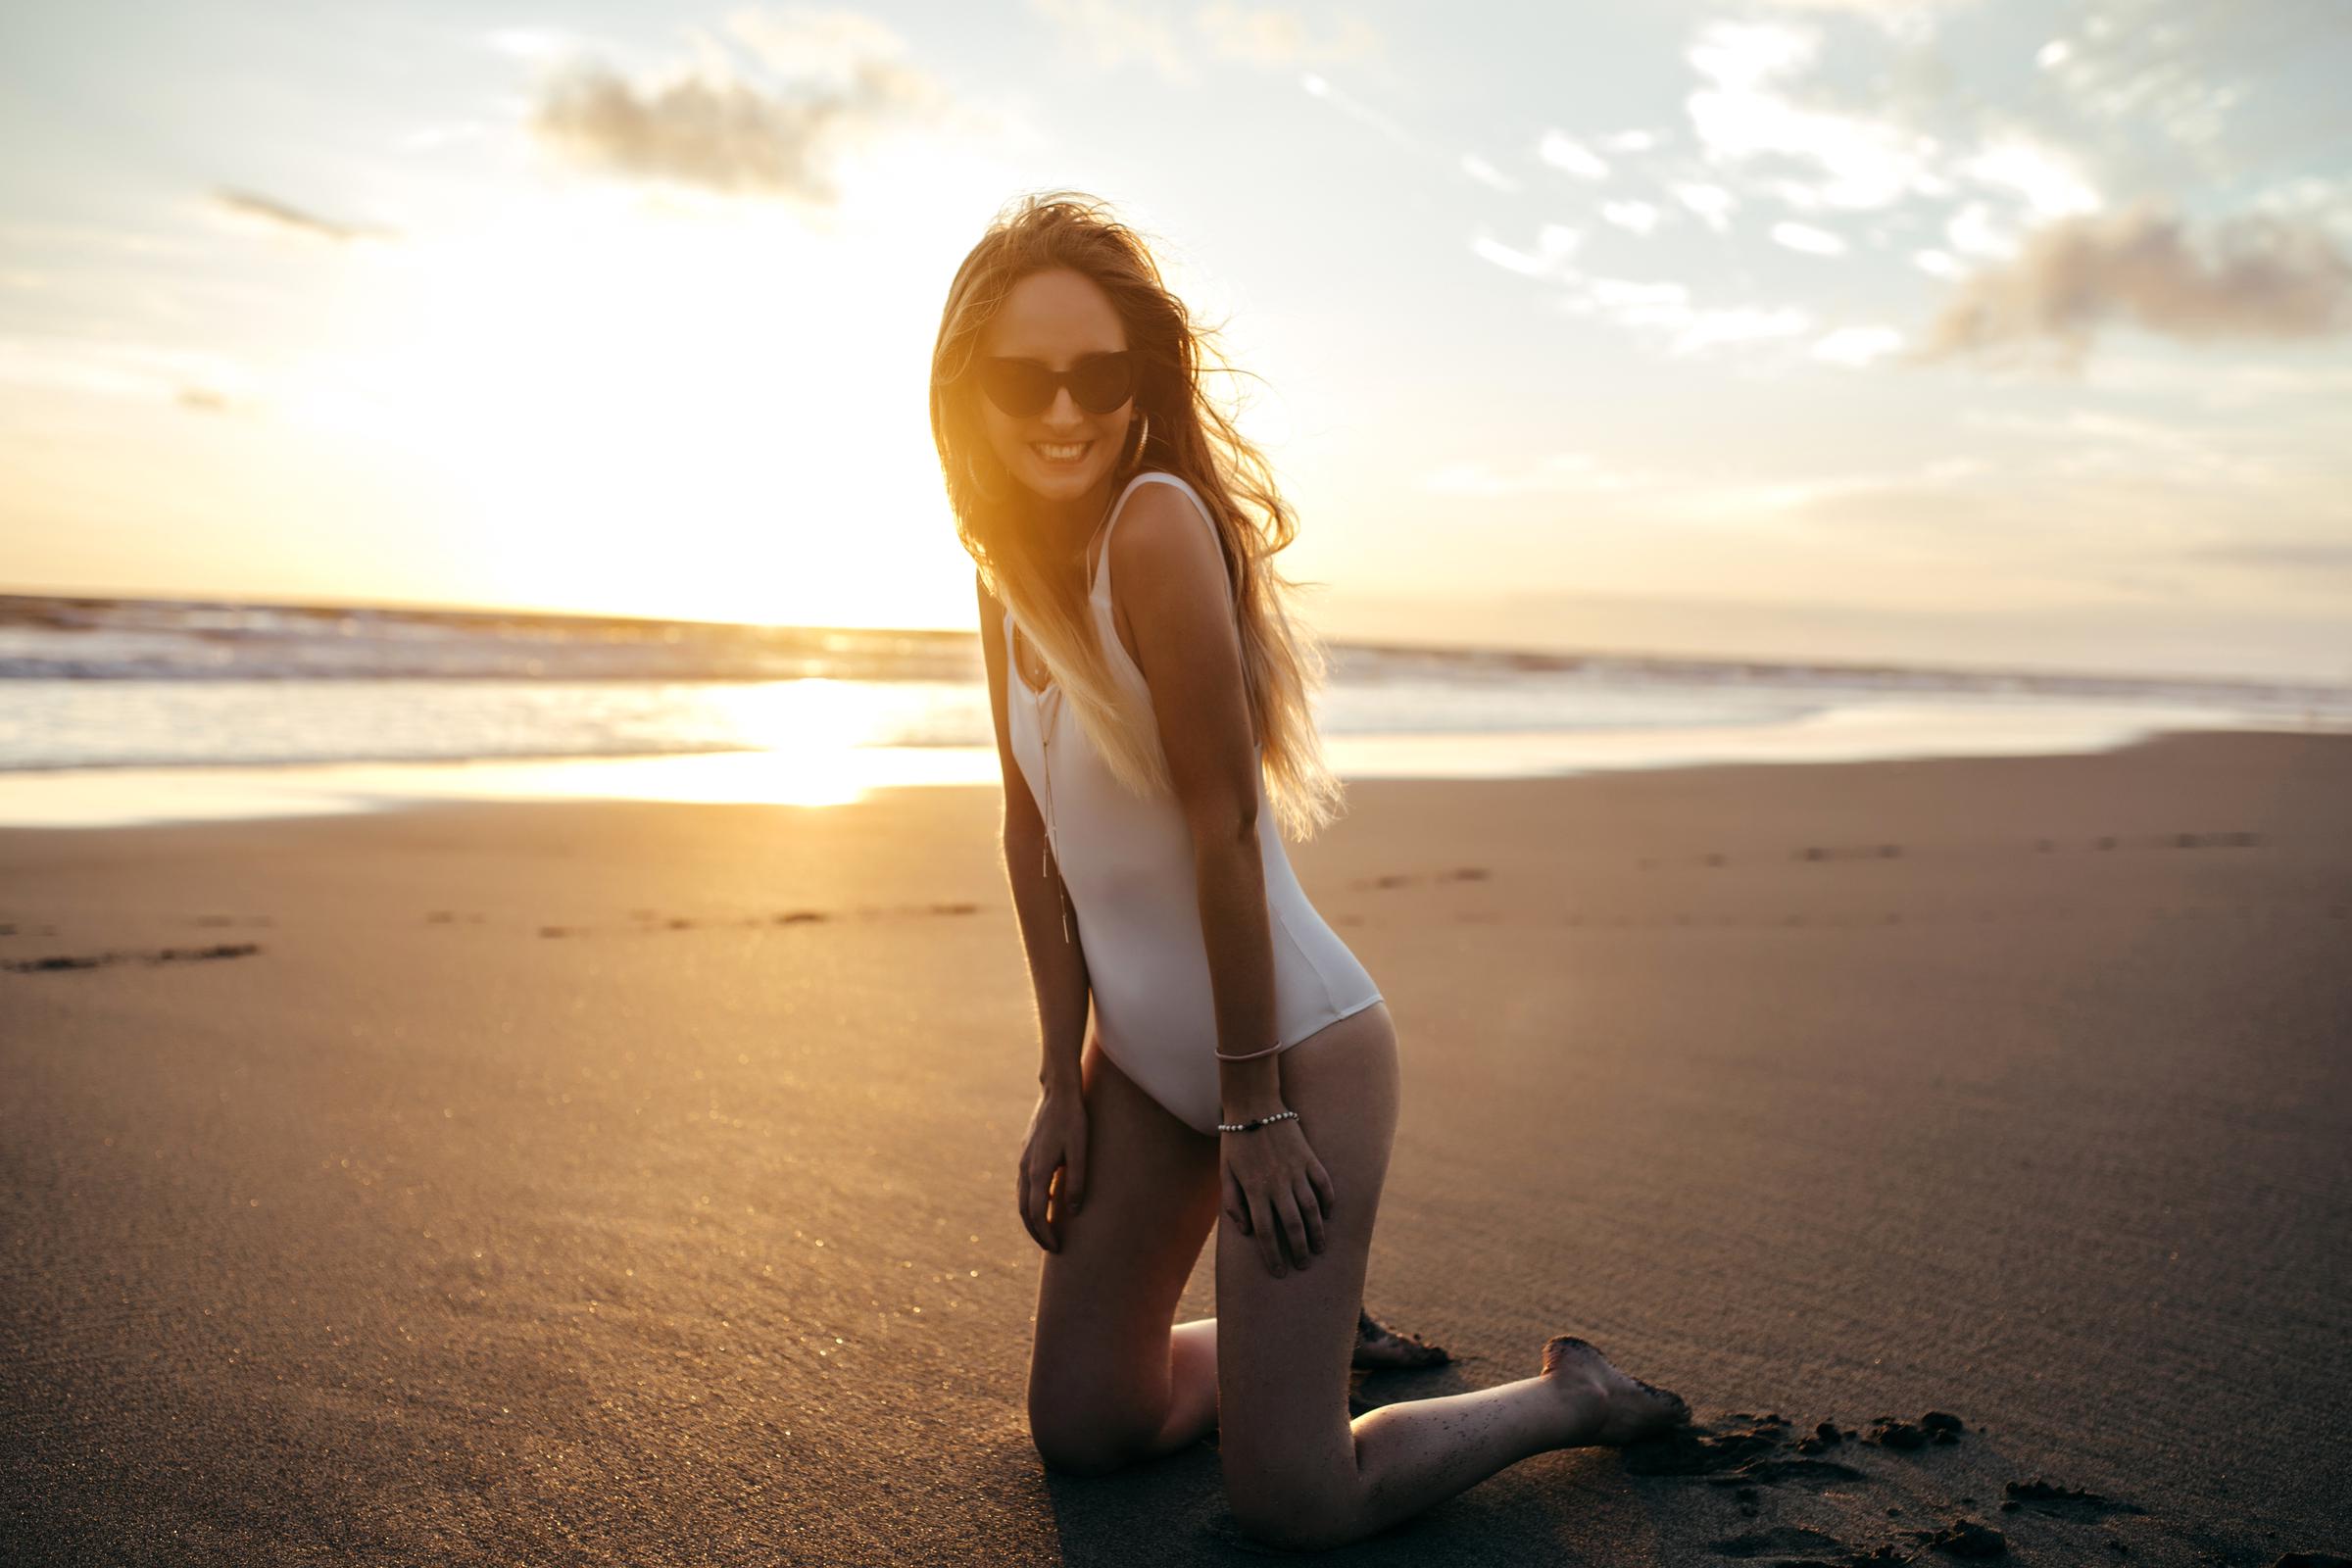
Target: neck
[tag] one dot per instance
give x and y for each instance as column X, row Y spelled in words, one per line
column 1071, row 524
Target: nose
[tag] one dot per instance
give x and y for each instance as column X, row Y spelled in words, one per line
column 1063, row 413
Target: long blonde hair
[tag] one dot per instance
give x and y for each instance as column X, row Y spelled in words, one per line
column 1178, row 430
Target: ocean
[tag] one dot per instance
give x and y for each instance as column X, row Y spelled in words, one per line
column 150, row 708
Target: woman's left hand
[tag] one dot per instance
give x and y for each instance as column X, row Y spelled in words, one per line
column 1277, row 1191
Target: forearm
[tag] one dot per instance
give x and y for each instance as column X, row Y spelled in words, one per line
column 1056, row 962
column 1238, row 932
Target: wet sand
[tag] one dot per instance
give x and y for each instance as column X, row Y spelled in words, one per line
column 617, row 1183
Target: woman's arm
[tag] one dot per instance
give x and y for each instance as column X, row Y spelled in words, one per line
column 1180, row 604
column 1057, row 963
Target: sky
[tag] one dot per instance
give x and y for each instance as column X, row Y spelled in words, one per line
column 1950, row 331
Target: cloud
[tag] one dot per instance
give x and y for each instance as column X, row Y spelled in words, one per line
column 1973, row 232
column 1639, row 217
column 1486, row 173
column 2150, row 69
column 1857, row 346
column 1664, row 310
column 2259, row 276
column 713, row 129
column 2311, row 196
column 1712, row 202
column 1563, row 151
column 1700, row 329
column 2050, row 184
column 1555, row 244
column 1805, row 237
column 1315, row 86
column 285, row 220
column 1661, row 307
column 1743, row 113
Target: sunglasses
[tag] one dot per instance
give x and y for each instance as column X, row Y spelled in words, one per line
column 1099, row 383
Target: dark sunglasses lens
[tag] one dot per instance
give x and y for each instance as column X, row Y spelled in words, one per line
column 1103, row 384
column 1018, row 387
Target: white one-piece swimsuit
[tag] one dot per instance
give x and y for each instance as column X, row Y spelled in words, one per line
column 1128, row 864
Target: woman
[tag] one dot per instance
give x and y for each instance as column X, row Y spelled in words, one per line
column 1151, row 714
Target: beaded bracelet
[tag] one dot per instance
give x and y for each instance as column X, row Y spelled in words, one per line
column 1247, row 1126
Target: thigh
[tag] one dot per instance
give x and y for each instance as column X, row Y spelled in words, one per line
column 1099, row 1369
column 1285, row 1345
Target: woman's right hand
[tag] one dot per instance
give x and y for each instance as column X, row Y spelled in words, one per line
column 1056, row 1143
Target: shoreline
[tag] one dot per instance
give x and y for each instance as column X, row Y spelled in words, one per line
column 133, row 795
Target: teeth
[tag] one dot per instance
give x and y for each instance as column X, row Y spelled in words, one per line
column 1061, row 454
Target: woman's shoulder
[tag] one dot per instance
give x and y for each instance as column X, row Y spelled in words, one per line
column 1171, row 529
column 1168, row 476
column 1141, row 493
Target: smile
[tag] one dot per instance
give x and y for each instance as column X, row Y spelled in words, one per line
column 1060, row 453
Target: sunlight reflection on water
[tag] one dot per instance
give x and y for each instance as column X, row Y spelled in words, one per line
column 813, row 762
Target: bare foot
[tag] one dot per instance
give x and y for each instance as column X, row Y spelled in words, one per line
column 1381, row 1347
column 1611, row 1409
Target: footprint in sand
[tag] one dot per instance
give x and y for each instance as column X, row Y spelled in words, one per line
column 1781, row 1540
column 651, row 920
column 2062, row 1501
column 1849, row 852
column 1406, row 879
column 99, row 961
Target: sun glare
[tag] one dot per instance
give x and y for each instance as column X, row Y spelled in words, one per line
column 661, row 405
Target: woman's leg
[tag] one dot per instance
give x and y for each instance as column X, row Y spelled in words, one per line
column 1108, row 1380
column 1298, row 1473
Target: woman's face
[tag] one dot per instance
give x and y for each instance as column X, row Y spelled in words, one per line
column 1056, row 318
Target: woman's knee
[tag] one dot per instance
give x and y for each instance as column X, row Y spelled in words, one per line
column 1080, row 1443
column 1287, row 1512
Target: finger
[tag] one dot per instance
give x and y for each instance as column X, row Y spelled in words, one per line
column 1021, row 1202
column 1236, row 1205
column 1033, row 1209
column 1269, row 1249
column 1324, row 1192
column 1073, row 1177
column 1294, row 1227
column 1310, row 1209
column 1052, row 1207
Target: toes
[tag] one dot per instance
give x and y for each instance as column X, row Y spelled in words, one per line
column 1560, row 1345
column 1676, row 1407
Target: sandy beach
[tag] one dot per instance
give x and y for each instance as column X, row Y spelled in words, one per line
column 596, row 1182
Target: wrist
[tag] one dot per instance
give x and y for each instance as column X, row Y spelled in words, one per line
column 1247, row 1088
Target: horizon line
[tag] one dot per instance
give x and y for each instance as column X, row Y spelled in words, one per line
column 1774, row 661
